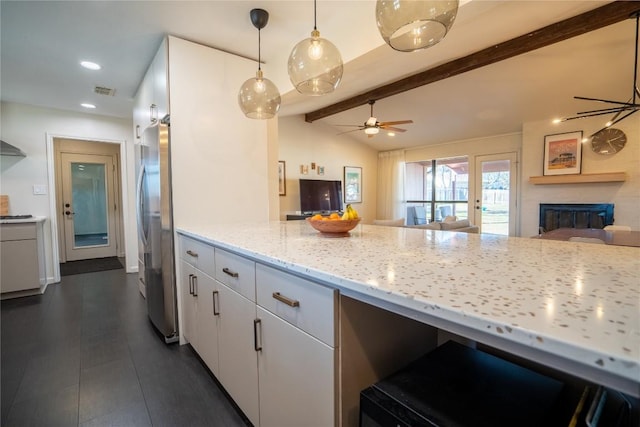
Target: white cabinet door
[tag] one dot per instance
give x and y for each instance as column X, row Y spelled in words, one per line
column 207, row 319
column 297, row 380
column 189, row 330
column 238, row 359
column 142, row 104
column 160, row 81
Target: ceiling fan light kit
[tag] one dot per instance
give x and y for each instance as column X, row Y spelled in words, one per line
column 259, row 97
column 620, row 109
column 408, row 25
column 315, row 64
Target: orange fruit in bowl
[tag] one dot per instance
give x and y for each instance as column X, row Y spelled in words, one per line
column 317, row 217
column 326, row 218
column 334, row 216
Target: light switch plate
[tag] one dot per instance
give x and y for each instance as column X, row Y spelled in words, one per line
column 39, row 189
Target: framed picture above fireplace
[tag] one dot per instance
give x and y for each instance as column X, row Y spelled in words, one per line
column 563, row 153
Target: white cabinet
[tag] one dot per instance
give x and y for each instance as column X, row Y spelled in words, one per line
column 297, row 361
column 199, row 295
column 152, row 99
column 296, row 371
column 237, row 340
column 22, row 265
column 268, row 336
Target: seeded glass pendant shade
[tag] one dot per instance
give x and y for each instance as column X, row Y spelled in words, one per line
column 259, row 97
column 409, row 25
column 315, row 64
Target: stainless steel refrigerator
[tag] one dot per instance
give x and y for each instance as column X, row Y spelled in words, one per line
column 155, row 228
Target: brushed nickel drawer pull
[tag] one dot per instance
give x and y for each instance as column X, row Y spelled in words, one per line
column 229, row 272
column 193, row 254
column 290, row 302
column 191, row 284
column 195, row 286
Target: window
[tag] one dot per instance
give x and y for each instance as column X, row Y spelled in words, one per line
column 440, row 186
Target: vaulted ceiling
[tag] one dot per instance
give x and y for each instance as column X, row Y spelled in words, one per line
column 42, row 43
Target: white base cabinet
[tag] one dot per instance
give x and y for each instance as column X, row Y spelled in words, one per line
column 297, row 385
column 238, row 364
column 268, row 336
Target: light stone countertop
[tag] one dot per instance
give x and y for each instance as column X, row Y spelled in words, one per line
column 573, row 306
column 23, row 220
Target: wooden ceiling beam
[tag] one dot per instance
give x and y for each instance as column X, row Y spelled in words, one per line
column 603, row 16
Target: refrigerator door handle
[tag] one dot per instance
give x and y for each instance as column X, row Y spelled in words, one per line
column 140, row 207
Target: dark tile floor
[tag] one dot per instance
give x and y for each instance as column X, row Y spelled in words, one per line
column 85, row 354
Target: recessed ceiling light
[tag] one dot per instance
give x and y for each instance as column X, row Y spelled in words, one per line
column 90, row 65
column 85, row 105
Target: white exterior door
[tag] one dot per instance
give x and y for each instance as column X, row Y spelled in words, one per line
column 89, row 208
column 495, row 201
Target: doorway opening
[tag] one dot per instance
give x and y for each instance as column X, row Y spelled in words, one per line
column 88, row 199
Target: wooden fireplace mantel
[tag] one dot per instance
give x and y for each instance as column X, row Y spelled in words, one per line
column 579, row 179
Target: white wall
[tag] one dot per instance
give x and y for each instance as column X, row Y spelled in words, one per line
column 625, row 195
column 28, row 128
column 301, row 143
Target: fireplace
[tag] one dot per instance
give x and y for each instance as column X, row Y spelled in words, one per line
column 567, row 215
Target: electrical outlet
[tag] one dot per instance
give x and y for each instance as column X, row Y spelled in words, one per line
column 39, row 189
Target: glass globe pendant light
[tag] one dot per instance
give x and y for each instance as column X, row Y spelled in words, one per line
column 315, row 64
column 409, row 25
column 259, row 98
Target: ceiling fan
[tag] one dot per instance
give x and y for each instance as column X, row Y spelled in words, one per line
column 621, row 110
column 372, row 126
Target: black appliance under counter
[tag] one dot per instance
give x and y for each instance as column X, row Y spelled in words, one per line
column 457, row 386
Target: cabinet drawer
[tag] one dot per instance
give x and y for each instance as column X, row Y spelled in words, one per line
column 198, row 254
column 237, row 273
column 304, row 304
column 9, row 232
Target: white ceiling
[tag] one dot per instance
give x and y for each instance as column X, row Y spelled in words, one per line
column 43, row 42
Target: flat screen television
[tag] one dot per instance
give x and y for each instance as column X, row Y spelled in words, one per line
column 320, row 195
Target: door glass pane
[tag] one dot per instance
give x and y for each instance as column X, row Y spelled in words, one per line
column 495, row 197
column 89, row 195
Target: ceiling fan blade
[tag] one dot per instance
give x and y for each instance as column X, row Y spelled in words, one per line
column 353, row 126
column 608, row 101
column 392, row 129
column 352, row 130
column 397, row 122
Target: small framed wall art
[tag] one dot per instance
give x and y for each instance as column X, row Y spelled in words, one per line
column 352, row 184
column 282, row 178
column 563, row 153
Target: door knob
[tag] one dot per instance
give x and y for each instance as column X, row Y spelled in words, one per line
column 69, row 213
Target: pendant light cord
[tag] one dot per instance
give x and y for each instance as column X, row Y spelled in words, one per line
column 635, row 64
column 259, row 58
column 315, row 15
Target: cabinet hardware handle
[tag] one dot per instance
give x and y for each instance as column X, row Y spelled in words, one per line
column 137, row 131
column 195, row 286
column 290, row 302
column 193, row 254
column 151, row 108
column 191, row 284
column 213, row 296
column 229, row 272
column 255, row 334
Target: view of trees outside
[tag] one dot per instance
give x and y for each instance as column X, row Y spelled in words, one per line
column 449, row 196
column 495, row 202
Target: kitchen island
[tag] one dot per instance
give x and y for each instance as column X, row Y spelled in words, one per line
column 573, row 307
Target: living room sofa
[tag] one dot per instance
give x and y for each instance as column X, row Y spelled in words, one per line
column 459, row 225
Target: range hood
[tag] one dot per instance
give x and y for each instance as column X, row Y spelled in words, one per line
column 7, row 149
